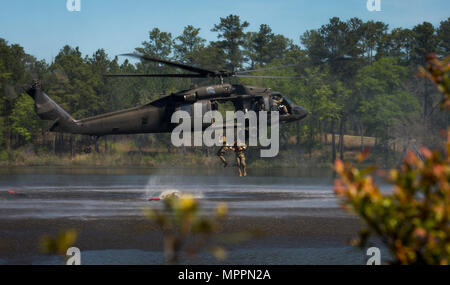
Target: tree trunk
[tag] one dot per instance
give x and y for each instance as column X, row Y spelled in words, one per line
column 425, row 100
column 71, row 146
column 361, row 131
column 54, row 144
column 97, row 150
column 341, row 139
column 311, row 142
column 333, row 142
column 44, row 139
column 387, row 148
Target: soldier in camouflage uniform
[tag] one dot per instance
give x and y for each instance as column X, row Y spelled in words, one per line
column 223, row 149
column 240, row 159
column 280, row 105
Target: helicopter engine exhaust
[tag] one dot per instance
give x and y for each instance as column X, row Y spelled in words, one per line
column 209, row 92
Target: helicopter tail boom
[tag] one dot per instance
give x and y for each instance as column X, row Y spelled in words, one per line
column 47, row 109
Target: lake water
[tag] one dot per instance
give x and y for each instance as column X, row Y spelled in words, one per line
column 50, row 193
column 63, row 193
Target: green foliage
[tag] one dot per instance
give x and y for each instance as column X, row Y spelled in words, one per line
column 231, row 30
column 398, row 44
column 2, row 133
column 413, row 221
column 188, row 44
column 443, row 35
column 73, row 84
column 159, row 44
column 264, row 46
column 24, row 121
column 4, row 155
column 381, row 97
column 439, row 73
column 424, row 41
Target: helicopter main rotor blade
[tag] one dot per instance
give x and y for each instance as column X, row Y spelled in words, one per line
column 341, row 58
column 174, row 64
column 263, row 69
column 266, row 76
column 180, row 75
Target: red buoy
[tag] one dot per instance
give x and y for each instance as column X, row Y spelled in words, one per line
column 12, row 192
column 154, row 199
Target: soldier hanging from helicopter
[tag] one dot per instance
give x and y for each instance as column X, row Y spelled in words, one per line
column 223, row 150
column 240, row 158
column 239, row 152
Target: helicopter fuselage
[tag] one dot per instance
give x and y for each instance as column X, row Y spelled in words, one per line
column 155, row 117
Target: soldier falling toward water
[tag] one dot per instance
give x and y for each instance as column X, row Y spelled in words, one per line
column 223, row 149
column 240, row 158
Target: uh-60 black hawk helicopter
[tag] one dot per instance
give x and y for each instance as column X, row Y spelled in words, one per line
column 155, row 117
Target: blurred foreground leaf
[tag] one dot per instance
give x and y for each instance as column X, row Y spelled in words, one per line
column 186, row 229
column 58, row 244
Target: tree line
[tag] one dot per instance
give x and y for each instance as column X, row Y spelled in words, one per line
column 357, row 78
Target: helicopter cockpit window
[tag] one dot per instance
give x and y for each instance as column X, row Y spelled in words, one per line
column 289, row 101
column 280, row 104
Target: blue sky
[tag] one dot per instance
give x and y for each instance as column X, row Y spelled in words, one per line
column 44, row 27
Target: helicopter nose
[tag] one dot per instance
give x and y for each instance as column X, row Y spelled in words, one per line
column 300, row 112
